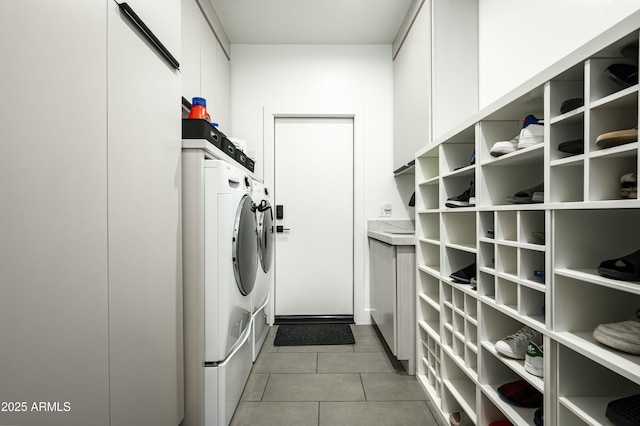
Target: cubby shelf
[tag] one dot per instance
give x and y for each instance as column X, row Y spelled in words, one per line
column 536, row 263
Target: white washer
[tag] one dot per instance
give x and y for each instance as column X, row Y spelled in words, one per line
column 231, row 262
column 264, row 217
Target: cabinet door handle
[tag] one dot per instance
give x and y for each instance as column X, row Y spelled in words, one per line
column 148, row 34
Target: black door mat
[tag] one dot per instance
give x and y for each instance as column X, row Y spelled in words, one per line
column 314, row 334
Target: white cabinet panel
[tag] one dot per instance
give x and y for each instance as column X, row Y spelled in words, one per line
column 144, row 169
column 411, row 91
column 192, row 22
column 53, row 269
column 382, row 258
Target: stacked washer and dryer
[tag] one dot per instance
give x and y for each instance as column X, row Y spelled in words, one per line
column 228, row 245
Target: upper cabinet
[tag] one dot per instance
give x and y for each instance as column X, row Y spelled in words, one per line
column 435, row 78
column 454, row 70
column 206, row 70
column 411, row 90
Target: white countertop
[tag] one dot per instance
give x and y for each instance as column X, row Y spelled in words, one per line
column 393, row 232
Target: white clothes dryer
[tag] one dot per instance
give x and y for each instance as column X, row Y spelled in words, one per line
column 231, row 263
column 264, row 218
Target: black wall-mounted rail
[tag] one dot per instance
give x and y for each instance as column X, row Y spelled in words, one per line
column 145, row 31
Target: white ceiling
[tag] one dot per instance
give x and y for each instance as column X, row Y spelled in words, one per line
column 311, row 21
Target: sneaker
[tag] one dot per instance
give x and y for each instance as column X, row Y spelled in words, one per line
column 532, row 132
column 624, row 335
column 535, row 194
column 515, row 345
column 464, row 275
column 504, row 147
column 629, row 185
column 521, row 394
column 533, row 360
column 466, row 199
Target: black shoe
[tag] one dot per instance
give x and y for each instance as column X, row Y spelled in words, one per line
column 466, row 199
column 464, row 275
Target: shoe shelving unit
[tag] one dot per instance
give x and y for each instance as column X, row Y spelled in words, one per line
column 583, row 221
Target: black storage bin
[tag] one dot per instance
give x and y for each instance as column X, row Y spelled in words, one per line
column 250, row 164
column 202, row 129
column 228, row 147
column 241, row 158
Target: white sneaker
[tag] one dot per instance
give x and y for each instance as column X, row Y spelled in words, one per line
column 515, row 346
column 504, row 147
column 534, row 360
column 532, row 132
column 623, row 336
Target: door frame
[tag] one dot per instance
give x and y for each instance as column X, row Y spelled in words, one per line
column 270, row 114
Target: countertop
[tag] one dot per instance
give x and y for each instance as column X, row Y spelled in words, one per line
column 393, row 232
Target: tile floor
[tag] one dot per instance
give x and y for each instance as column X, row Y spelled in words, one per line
column 351, row 385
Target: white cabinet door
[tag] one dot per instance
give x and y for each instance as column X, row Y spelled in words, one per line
column 53, row 223
column 411, row 91
column 382, row 266
column 192, row 22
column 144, row 199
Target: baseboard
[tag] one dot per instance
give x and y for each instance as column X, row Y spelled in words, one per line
column 314, row 319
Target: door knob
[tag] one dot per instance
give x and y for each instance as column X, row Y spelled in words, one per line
column 280, row 228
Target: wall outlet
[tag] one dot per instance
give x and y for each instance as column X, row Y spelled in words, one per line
column 385, row 210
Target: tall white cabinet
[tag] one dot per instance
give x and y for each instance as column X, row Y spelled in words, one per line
column 584, row 222
column 90, row 300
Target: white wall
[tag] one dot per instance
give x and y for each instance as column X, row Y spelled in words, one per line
column 520, row 38
column 326, row 78
column 322, row 77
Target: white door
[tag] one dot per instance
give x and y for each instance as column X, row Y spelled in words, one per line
column 314, row 185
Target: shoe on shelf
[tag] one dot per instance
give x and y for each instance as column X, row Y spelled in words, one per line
column 538, row 417
column 628, row 193
column 457, row 419
column 515, row 345
column 532, row 132
column 464, row 275
column 571, row 104
column 466, row 199
column 520, row 393
column 629, row 185
column 623, row 336
column 625, row 268
column 575, row 146
column 624, row 75
column 624, row 411
column 504, row 147
column 534, row 360
column 535, row 194
column 617, row 137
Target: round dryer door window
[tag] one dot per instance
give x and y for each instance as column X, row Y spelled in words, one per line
column 265, row 236
column 245, row 247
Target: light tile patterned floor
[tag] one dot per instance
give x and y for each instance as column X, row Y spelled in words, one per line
column 350, row 385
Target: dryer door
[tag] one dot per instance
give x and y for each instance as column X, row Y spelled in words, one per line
column 245, row 246
column 265, row 235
